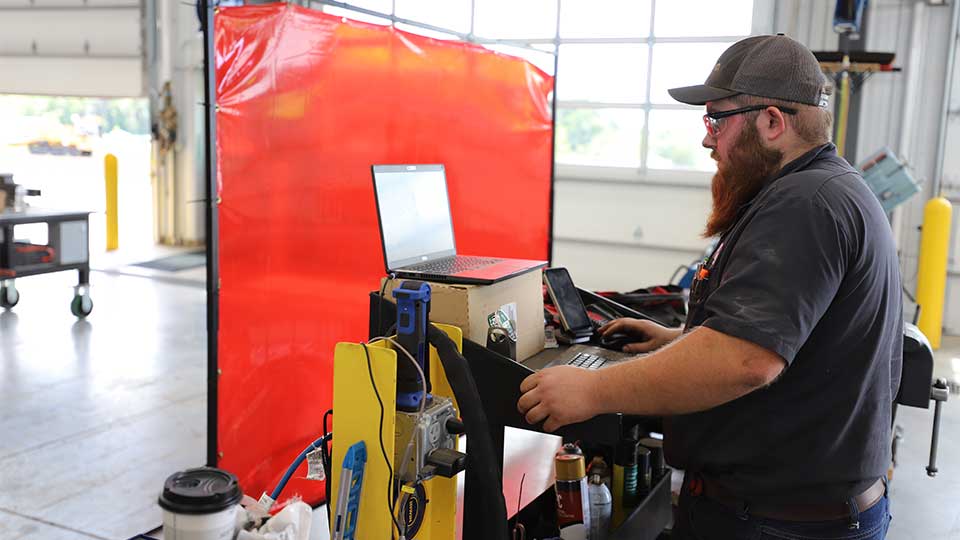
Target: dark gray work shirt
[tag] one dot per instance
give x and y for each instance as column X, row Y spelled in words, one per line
column 810, row 272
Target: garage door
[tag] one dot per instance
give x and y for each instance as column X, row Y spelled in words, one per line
column 71, row 47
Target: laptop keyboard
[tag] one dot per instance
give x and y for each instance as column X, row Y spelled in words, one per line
column 454, row 265
column 587, row 361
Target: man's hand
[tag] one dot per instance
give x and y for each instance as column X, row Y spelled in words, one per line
column 559, row 396
column 649, row 335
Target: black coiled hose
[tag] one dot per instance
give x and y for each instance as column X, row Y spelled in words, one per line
column 482, row 458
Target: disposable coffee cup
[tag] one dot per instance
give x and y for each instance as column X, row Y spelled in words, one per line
column 200, row 504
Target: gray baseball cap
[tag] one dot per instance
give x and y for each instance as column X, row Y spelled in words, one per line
column 766, row 66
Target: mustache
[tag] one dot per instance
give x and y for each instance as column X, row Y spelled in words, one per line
column 714, row 155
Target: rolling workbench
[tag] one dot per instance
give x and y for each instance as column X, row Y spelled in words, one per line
column 67, row 248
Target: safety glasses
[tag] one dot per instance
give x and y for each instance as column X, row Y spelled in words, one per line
column 713, row 121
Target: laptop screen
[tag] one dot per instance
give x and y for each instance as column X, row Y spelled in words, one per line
column 414, row 211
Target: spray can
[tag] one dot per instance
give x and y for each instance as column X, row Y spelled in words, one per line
column 631, row 480
column 573, row 510
column 657, row 466
column 644, row 477
column 624, row 479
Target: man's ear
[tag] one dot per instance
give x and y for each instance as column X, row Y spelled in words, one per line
column 771, row 124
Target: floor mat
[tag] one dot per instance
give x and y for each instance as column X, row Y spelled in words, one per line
column 176, row 263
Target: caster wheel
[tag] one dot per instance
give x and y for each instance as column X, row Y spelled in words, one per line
column 9, row 296
column 81, row 306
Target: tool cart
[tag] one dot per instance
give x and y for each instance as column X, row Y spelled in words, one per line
column 67, row 248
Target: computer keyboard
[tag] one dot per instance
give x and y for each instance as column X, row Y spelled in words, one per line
column 587, row 361
column 454, row 265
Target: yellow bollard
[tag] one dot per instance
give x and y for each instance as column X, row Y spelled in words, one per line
column 932, row 270
column 844, row 111
column 110, row 175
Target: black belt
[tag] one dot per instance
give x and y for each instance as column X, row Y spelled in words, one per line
column 787, row 512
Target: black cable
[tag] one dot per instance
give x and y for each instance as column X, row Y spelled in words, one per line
column 679, row 269
column 383, row 450
column 327, row 459
column 907, row 293
column 482, row 466
column 326, row 415
column 916, row 313
column 519, row 500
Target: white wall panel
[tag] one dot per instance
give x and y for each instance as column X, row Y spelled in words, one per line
column 62, row 4
column 597, row 266
column 93, row 32
column 903, row 111
column 655, row 216
column 808, row 21
column 623, row 233
column 71, row 76
column 175, row 55
column 71, row 48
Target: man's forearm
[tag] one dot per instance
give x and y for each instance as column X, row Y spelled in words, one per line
column 699, row 371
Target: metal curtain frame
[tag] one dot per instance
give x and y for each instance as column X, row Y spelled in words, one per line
column 212, row 227
column 208, row 9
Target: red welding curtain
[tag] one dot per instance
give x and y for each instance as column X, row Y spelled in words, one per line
column 307, row 102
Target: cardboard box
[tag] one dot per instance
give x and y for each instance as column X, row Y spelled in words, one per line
column 469, row 306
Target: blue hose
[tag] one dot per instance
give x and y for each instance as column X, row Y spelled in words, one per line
column 293, row 467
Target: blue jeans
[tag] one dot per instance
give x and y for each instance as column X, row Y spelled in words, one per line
column 700, row 518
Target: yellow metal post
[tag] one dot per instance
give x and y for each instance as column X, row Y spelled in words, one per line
column 932, row 271
column 844, row 111
column 110, row 175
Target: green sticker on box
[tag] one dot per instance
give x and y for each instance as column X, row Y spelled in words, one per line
column 505, row 317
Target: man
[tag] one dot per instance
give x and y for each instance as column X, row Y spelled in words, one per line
column 778, row 394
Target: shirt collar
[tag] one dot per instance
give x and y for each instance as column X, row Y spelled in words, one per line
column 825, row 151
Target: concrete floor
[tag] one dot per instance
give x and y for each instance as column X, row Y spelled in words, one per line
column 95, row 414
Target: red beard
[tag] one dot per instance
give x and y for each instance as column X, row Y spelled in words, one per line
column 739, row 178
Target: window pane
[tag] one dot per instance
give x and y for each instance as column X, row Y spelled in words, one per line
column 677, row 18
column 541, row 57
column 447, row 14
column 510, row 19
column 381, row 6
column 675, row 138
column 697, row 60
column 599, row 136
column 608, row 18
column 603, row 73
column 424, row 32
column 356, row 16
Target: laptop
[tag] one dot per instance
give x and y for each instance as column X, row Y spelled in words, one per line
column 416, row 230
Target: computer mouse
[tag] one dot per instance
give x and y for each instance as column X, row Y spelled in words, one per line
column 615, row 342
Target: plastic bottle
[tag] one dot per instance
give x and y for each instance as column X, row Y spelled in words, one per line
column 599, row 466
column 573, row 509
column 601, row 507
